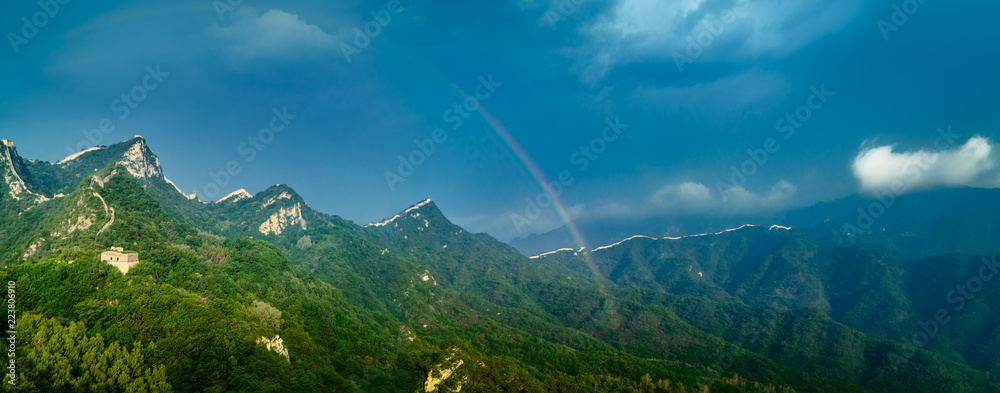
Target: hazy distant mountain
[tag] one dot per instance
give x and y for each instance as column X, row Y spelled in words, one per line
column 959, row 220
column 965, row 220
column 599, row 233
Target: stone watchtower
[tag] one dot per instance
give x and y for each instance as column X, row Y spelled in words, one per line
column 118, row 258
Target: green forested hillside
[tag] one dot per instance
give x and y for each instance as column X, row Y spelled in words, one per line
column 267, row 294
column 869, row 289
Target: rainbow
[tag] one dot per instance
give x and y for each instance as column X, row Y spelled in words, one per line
column 560, row 207
column 536, row 175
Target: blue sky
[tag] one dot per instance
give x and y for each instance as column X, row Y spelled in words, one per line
column 696, row 82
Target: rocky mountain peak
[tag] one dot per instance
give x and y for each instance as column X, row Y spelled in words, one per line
column 140, row 160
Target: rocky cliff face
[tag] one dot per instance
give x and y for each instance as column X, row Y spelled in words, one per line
column 140, row 160
column 11, row 168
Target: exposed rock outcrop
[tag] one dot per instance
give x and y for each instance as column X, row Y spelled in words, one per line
column 276, row 345
column 282, row 219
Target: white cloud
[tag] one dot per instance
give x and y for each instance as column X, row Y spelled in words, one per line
column 613, row 209
column 691, row 197
column 683, row 195
column 672, row 199
column 741, row 200
column 696, row 198
column 973, row 164
column 273, row 35
column 639, row 30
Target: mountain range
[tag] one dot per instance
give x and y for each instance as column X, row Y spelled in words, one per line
column 934, row 221
column 263, row 293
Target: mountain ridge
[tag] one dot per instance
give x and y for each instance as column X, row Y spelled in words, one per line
column 922, row 223
column 584, row 249
column 442, row 298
